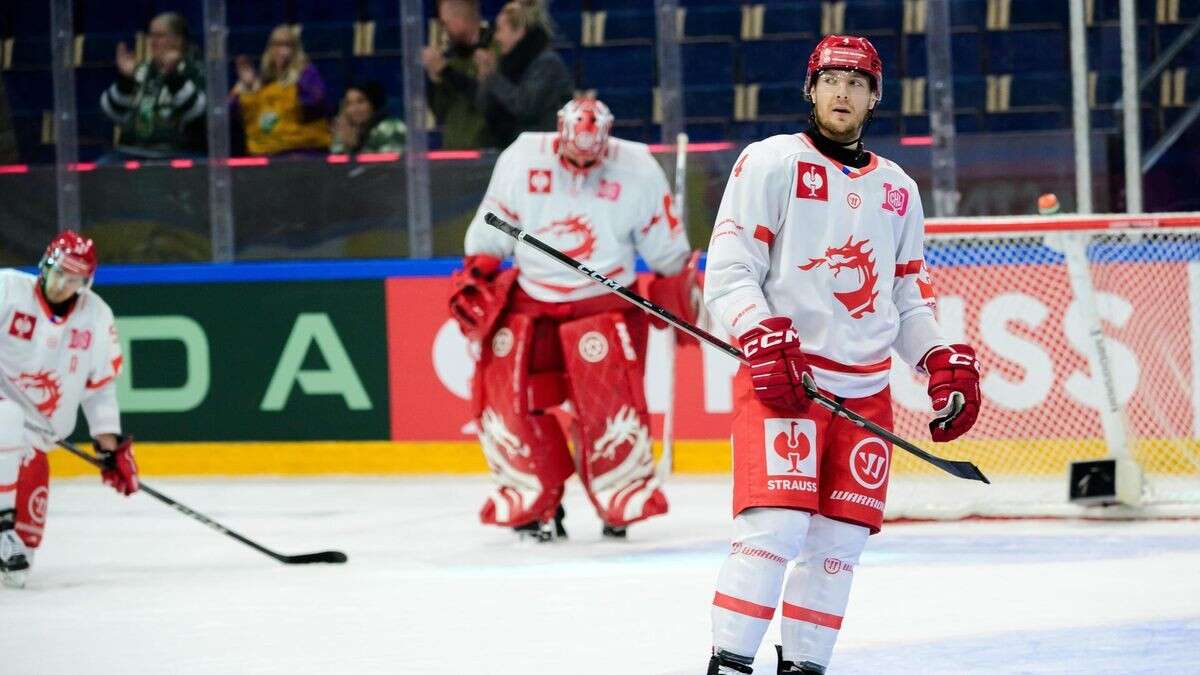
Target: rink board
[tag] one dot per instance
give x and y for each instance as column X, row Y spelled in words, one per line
column 355, row 368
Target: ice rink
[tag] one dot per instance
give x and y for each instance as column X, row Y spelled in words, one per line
column 128, row 586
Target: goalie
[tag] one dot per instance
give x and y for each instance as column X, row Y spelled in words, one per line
column 548, row 338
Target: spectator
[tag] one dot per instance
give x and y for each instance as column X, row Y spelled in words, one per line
column 523, row 89
column 159, row 104
column 362, row 124
column 451, row 84
column 281, row 107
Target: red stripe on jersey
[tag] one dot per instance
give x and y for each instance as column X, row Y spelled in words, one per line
column 829, row 364
column 508, row 213
column 743, row 606
column 910, row 267
column 10, row 487
column 797, row 613
column 764, row 235
column 98, row 383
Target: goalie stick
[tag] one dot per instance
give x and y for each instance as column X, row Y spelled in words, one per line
column 957, row 468
column 37, row 422
column 666, row 463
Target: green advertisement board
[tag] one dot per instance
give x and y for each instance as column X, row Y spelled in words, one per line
column 253, row 361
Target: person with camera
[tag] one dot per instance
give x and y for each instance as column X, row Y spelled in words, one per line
column 451, row 84
column 523, row 88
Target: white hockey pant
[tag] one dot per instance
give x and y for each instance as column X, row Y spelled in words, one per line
column 14, row 447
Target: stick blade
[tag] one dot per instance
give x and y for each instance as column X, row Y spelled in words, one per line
column 331, row 557
column 966, row 470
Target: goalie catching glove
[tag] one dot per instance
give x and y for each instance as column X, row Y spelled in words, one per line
column 953, row 369
column 120, row 470
column 777, row 366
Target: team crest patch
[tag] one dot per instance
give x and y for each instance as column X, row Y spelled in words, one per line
column 609, row 189
column 869, row 462
column 80, row 339
column 593, row 347
column 790, row 446
column 540, row 181
column 811, row 182
column 22, row 325
column 895, row 199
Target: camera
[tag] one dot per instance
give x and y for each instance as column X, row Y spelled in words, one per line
column 453, row 49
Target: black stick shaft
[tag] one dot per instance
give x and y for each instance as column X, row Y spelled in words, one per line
column 324, row 556
column 960, row 469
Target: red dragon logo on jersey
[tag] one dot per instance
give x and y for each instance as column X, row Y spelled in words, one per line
column 574, row 226
column 43, row 388
column 860, row 299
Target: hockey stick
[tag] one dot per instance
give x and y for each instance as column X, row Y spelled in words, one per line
column 957, row 468
column 666, row 463
column 37, row 422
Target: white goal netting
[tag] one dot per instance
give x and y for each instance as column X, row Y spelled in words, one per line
column 1005, row 286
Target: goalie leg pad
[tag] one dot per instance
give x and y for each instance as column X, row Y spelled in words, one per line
column 764, row 540
column 33, row 493
column 525, row 449
column 818, row 589
column 605, row 356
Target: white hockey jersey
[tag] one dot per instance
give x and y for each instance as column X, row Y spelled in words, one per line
column 60, row 362
column 601, row 218
column 838, row 250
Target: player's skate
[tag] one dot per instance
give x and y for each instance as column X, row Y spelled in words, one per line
column 724, row 663
column 14, row 558
column 792, row 668
column 614, row 531
column 543, row 532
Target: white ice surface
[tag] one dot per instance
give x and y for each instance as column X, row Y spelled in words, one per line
column 128, row 586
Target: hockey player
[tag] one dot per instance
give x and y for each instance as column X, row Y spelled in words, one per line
column 816, row 265
column 547, row 336
column 58, row 344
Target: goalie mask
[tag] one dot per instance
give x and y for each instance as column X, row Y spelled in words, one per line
column 70, row 253
column 583, row 126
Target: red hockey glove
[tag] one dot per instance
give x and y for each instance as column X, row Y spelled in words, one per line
column 679, row 294
column 479, row 293
column 953, row 389
column 777, row 366
column 120, row 469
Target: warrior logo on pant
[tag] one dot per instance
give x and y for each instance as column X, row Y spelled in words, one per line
column 869, row 462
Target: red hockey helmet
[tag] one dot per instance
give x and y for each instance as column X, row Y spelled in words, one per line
column 845, row 51
column 583, row 126
column 71, row 253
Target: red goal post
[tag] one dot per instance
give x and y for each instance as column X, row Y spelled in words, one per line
column 1088, row 331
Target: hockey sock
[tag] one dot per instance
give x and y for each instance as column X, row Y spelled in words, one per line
column 33, row 492
column 818, row 589
column 748, row 587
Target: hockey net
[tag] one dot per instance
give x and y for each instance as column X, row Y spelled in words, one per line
column 1005, row 286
